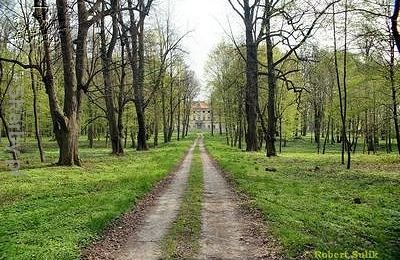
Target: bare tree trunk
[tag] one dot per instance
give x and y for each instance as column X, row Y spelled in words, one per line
column 135, row 50
column 396, row 116
column 346, row 140
column 317, row 124
column 220, row 122
column 171, row 110
column 33, row 83
column 65, row 123
column 240, row 131
column 187, row 122
column 327, row 135
column 394, row 18
column 106, row 57
column 178, row 122
column 122, row 97
column 156, row 121
column 240, row 118
column 393, row 88
column 390, row 149
column 139, row 90
column 251, row 79
column 90, row 131
column 271, row 123
column 35, row 112
column 67, row 130
column 356, row 136
column 186, row 113
column 342, row 93
column 164, row 114
column 280, row 134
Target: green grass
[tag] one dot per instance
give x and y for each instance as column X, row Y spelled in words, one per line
column 52, row 212
column 182, row 240
column 311, row 209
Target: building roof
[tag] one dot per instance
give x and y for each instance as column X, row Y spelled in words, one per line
column 200, row 105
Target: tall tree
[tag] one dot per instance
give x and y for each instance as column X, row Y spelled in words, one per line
column 259, row 18
column 106, row 57
column 396, row 39
column 248, row 12
column 133, row 33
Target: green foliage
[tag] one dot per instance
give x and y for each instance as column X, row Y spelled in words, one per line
column 51, row 212
column 310, row 201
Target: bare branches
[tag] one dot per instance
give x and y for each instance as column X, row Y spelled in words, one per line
column 306, row 35
column 236, row 9
column 21, row 64
column 394, row 19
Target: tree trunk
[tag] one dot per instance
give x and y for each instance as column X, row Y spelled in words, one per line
column 304, row 123
column 65, row 124
column 280, row 134
column 35, row 112
column 396, row 116
column 171, row 110
column 141, row 137
column 342, row 93
column 393, row 87
column 240, row 131
column 327, row 135
column 317, row 125
column 251, row 80
column 271, row 123
column 106, row 58
column 178, row 122
column 156, row 121
column 135, row 50
column 219, row 122
column 67, row 132
column 122, row 99
column 164, row 114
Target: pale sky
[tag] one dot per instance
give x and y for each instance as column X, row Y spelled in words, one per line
column 207, row 19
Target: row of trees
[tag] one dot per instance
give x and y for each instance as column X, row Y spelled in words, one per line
column 106, row 66
column 284, row 81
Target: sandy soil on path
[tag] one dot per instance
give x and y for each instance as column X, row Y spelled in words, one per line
column 145, row 243
column 231, row 228
column 148, row 224
column 228, row 230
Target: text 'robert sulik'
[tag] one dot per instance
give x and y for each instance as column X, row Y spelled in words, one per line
column 346, row 255
column 16, row 102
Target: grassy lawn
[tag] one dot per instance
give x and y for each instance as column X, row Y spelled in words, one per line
column 182, row 241
column 51, row 212
column 310, row 202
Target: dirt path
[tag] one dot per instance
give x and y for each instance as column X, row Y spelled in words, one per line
column 144, row 244
column 230, row 229
column 225, row 228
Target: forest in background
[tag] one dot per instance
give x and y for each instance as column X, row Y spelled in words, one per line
column 118, row 69
column 283, row 80
column 113, row 69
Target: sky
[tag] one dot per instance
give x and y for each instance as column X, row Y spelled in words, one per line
column 207, row 20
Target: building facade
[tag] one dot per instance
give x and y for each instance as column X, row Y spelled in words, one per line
column 201, row 117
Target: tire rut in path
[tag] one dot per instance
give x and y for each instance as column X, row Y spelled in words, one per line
column 145, row 243
column 223, row 235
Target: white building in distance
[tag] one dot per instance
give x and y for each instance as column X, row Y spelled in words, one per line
column 201, row 117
